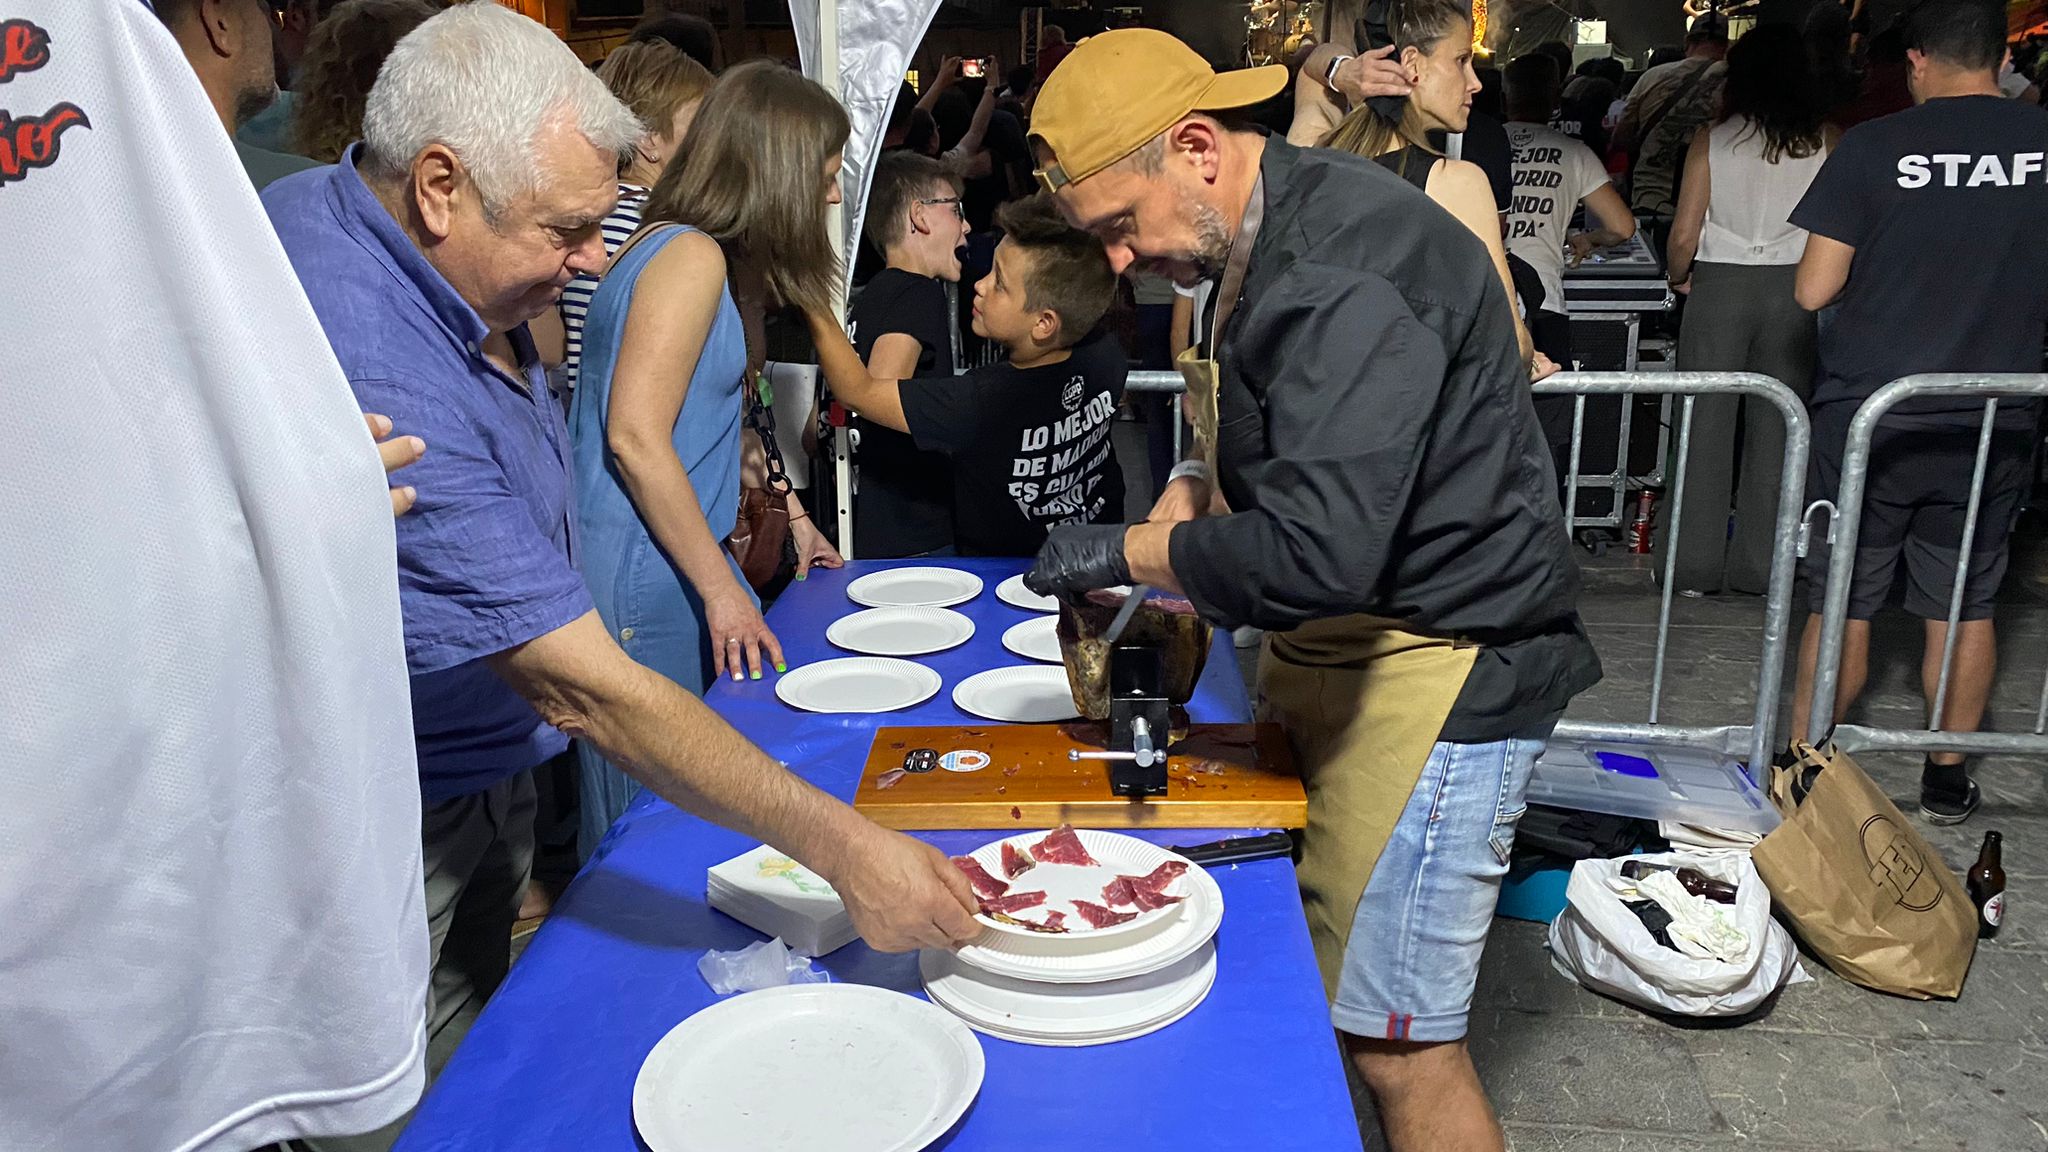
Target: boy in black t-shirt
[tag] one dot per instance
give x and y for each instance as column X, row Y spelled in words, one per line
column 1926, row 234
column 1029, row 439
column 900, row 325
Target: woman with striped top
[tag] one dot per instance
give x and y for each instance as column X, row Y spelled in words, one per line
column 664, row 88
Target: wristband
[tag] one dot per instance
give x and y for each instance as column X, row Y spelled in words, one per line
column 1330, row 73
column 1194, row 468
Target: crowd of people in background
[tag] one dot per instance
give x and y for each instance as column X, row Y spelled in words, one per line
column 609, row 296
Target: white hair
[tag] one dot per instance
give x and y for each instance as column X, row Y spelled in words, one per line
column 484, row 80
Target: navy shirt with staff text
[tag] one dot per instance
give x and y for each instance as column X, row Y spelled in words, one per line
column 1946, row 206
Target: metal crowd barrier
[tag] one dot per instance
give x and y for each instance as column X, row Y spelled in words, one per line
column 1155, row 382
column 1170, row 383
column 1845, row 517
column 1753, row 739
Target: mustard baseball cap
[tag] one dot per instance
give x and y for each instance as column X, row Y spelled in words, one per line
column 1116, row 91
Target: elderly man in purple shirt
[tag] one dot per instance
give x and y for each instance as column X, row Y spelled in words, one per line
column 488, row 163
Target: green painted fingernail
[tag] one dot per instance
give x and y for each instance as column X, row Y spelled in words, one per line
column 780, row 668
column 757, row 673
column 801, row 575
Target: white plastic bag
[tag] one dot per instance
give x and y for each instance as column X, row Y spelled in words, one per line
column 1597, row 941
column 762, row 964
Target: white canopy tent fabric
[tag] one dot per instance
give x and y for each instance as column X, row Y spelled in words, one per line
column 860, row 51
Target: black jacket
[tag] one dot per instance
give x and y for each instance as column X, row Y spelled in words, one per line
column 1376, row 434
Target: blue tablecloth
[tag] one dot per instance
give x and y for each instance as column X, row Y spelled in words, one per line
column 551, row 1063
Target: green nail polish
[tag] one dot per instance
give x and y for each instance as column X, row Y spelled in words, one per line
column 801, row 575
column 780, row 668
column 757, row 674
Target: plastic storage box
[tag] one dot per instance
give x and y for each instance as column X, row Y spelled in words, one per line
column 1651, row 782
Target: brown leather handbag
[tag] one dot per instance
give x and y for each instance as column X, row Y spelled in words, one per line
column 762, row 529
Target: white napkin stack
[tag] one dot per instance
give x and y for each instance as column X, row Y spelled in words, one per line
column 769, row 892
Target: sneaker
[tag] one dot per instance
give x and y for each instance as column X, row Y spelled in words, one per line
column 1947, row 794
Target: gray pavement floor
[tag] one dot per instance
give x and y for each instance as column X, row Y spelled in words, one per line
column 1823, row 1066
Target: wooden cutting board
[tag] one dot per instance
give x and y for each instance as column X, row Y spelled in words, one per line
column 1220, row 776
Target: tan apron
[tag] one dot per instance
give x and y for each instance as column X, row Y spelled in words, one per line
column 1362, row 702
column 1200, row 373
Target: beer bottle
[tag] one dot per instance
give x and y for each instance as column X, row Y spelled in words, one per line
column 1986, row 882
column 1692, row 880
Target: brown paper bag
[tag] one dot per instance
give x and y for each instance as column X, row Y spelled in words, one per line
column 1861, row 887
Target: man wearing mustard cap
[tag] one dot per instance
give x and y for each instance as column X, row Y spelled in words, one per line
column 1361, row 404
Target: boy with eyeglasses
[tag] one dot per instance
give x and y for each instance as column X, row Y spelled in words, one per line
column 902, row 328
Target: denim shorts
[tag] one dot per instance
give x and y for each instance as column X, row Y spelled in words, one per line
column 1413, row 953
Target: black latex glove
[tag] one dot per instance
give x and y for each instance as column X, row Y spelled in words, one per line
column 1079, row 558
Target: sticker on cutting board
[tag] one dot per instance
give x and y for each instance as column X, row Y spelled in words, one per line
column 920, row 760
column 964, row 760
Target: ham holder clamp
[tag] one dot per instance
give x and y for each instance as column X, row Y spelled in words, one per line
column 1120, row 673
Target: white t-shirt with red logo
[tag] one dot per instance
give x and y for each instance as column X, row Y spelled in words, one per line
column 209, row 840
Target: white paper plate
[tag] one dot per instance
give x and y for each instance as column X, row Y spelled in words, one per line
column 900, row 631
column 1115, row 855
column 1082, row 958
column 1014, row 593
column 1025, row 694
column 857, row 684
column 1035, row 639
column 1068, row 1014
column 1088, row 1041
column 914, row 588
column 805, row 1067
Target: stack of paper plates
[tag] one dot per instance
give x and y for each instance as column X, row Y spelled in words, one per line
column 1068, row 1015
column 1088, row 986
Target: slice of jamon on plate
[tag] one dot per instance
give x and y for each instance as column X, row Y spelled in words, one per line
column 1055, row 921
column 1100, row 917
column 1014, row 902
column 985, row 885
column 1156, row 880
column 1119, row 891
column 1147, row 900
column 1061, row 846
column 1016, row 863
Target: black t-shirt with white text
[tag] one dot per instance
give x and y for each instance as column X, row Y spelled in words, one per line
column 1030, row 446
column 903, row 498
column 1946, row 205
